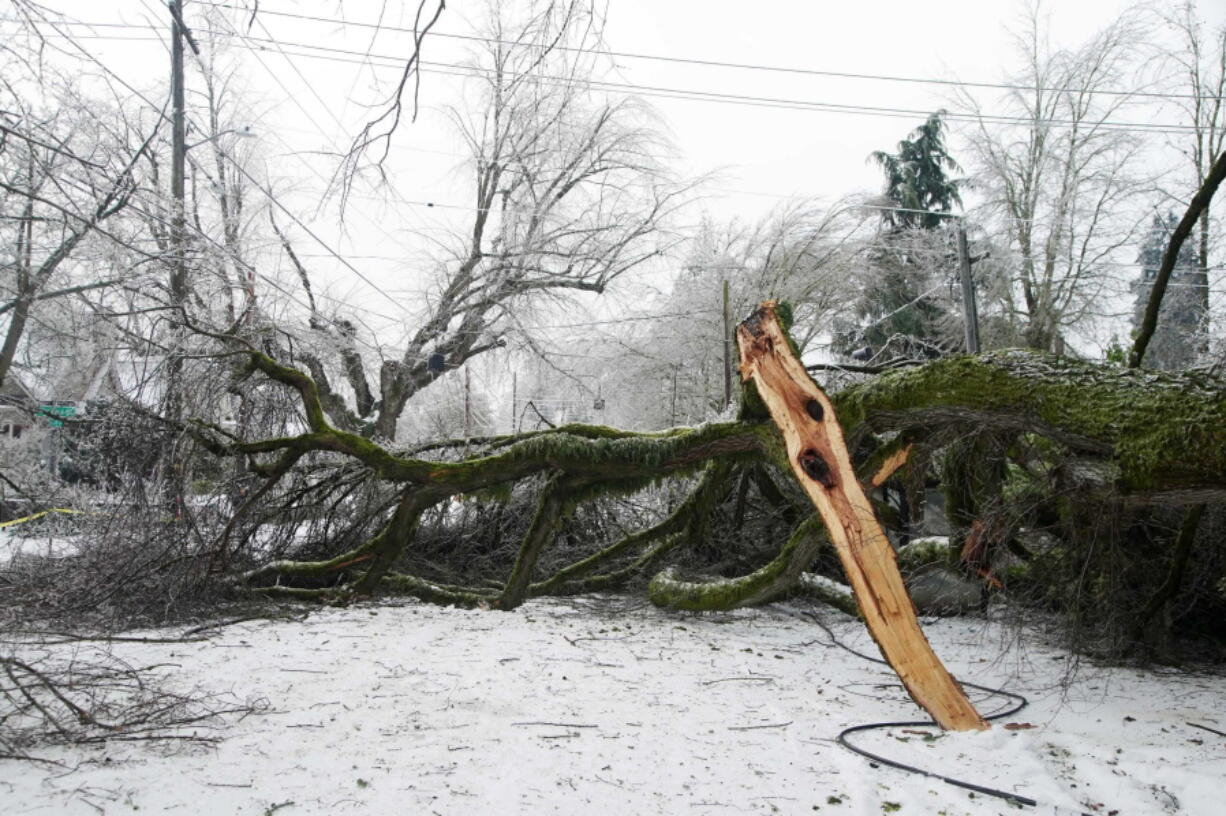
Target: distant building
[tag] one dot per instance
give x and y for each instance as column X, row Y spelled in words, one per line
column 1182, row 333
column 16, row 402
column 35, row 406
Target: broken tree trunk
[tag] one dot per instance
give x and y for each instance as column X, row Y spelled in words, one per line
column 820, row 461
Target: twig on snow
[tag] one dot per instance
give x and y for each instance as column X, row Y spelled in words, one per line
column 1207, row 728
column 756, row 727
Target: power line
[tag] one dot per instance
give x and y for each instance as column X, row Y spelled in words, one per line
column 743, row 66
column 237, row 259
column 664, row 92
column 272, row 199
column 273, row 74
column 431, row 204
column 399, row 198
column 319, row 128
column 294, row 218
column 336, row 255
column 454, row 69
column 238, row 166
column 248, row 267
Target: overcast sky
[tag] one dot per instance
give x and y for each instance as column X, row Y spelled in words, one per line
column 306, row 103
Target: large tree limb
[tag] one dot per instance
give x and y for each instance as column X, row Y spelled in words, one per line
column 699, row 500
column 1154, row 436
column 1151, row 436
column 552, row 509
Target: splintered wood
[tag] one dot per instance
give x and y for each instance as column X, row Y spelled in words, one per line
column 819, row 458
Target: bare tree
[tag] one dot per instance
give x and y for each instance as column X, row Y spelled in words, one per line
column 568, row 197
column 376, row 136
column 1062, row 184
column 676, row 369
column 1198, row 89
column 62, row 182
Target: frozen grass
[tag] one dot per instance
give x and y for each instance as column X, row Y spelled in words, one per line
column 607, row 706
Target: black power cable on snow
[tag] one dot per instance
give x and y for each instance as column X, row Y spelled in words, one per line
column 1019, row 703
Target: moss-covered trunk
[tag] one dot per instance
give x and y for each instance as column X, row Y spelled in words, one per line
column 1156, row 437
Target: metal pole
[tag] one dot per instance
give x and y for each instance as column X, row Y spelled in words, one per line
column 969, row 310
column 672, row 410
column 727, row 349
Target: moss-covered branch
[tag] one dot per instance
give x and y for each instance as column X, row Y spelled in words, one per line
column 769, row 581
column 432, row 592
column 592, row 451
column 584, row 460
column 552, row 508
column 396, row 536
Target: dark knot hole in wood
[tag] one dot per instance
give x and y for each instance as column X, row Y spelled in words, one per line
column 814, row 409
column 815, row 467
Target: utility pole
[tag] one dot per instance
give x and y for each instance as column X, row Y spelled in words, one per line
column 672, row 410
column 178, row 213
column 178, row 159
column 467, row 405
column 969, row 310
column 727, row 349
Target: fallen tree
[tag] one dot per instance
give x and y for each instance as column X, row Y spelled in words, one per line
column 1134, row 436
column 1085, row 436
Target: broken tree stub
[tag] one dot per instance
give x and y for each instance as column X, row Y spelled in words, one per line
column 820, row 461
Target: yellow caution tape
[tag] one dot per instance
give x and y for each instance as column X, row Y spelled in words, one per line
column 39, row 515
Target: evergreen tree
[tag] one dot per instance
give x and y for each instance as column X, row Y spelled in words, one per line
column 898, row 312
column 915, row 177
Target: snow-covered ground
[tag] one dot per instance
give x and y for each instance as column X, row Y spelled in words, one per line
column 609, row 706
column 12, row 545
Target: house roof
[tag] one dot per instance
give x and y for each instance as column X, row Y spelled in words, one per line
column 13, row 389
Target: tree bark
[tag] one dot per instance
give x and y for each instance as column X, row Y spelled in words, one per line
column 551, row 513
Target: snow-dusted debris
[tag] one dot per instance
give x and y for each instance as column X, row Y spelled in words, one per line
column 604, row 705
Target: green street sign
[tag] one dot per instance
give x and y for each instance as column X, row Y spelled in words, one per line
column 64, row 411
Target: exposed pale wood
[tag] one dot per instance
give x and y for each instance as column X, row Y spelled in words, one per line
column 819, row 458
column 975, row 552
column 892, row 463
